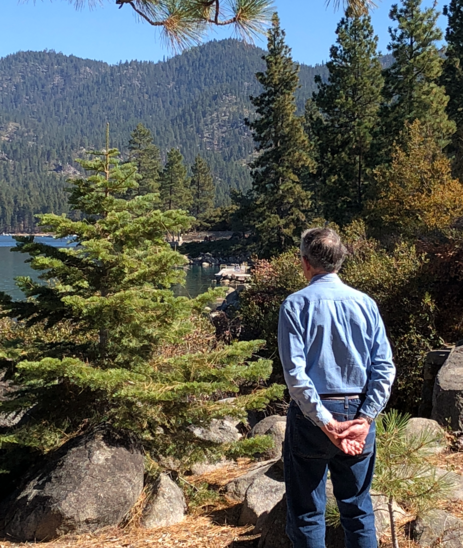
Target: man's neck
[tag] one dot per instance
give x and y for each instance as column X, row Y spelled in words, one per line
column 312, row 273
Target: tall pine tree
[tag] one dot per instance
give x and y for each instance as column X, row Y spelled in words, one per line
column 412, row 88
column 282, row 205
column 174, row 183
column 349, row 102
column 452, row 79
column 202, row 188
column 107, row 341
column 145, row 155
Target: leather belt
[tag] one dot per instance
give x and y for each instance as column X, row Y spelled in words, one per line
column 341, row 396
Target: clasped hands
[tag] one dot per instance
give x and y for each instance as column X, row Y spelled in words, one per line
column 349, row 436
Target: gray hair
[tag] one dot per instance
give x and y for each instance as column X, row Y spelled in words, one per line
column 323, row 249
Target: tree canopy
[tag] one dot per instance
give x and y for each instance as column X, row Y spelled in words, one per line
column 349, row 106
column 281, row 204
column 417, row 191
column 412, row 83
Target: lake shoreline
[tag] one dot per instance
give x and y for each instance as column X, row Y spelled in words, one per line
column 22, row 234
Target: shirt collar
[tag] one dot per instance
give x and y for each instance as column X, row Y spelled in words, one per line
column 325, row 277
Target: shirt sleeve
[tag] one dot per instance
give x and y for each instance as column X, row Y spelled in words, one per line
column 382, row 373
column 293, row 358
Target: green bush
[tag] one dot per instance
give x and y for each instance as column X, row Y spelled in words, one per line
column 400, row 283
column 398, row 280
column 272, row 281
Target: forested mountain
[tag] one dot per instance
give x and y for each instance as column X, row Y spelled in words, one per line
column 54, row 107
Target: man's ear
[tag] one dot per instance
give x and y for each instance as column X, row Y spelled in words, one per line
column 306, row 267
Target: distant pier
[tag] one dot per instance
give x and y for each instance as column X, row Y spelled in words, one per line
column 233, row 273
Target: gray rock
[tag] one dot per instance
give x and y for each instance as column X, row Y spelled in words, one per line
column 200, row 468
column 428, row 427
column 447, row 408
column 89, row 483
column 274, row 528
column 434, row 361
column 7, row 389
column 232, row 300
column 170, row 463
column 218, row 431
column 261, row 497
column 438, row 528
column 432, row 364
column 274, row 426
column 237, row 488
column 455, row 482
column 382, row 519
column 167, row 505
column 7, row 420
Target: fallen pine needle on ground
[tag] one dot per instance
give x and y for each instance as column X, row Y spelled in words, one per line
column 198, row 532
column 210, row 527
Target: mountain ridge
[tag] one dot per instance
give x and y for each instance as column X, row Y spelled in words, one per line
column 53, row 107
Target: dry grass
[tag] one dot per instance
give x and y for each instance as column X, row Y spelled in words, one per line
column 213, row 529
column 404, row 540
column 226, row 474
column 450, row 460
column 199, row 532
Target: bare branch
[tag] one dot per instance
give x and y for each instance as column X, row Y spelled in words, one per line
column 144, row 16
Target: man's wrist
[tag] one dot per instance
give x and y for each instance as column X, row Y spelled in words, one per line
column 366, row 417
column 331, row 426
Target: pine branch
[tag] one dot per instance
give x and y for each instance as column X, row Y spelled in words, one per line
column 356, row 7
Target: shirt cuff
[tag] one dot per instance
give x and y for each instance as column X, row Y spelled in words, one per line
column 321, row 417
column 369, row 410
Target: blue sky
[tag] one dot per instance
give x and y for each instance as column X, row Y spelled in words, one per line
column 110, row 34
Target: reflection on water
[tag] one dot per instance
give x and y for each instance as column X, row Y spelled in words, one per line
column 12, row 264
column 198, row 280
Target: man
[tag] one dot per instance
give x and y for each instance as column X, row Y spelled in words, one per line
column 338, row 366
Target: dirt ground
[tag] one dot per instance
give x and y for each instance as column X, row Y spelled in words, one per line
column 195, row 531
column 212, row 526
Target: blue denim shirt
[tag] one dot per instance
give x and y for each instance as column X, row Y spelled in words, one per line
column 332, row 340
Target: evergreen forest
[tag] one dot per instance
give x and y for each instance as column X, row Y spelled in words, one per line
column 54, row 107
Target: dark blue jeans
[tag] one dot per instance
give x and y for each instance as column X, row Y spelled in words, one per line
column 308, row 455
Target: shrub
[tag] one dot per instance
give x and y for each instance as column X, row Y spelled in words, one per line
column 398, row 280
column 272, row 281
column 445, row 267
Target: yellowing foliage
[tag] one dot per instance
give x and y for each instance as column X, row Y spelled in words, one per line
column 417, row 191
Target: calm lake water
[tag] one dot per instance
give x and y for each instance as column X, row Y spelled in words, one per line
column 198, row 279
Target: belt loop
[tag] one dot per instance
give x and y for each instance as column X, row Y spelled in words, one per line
column 346, row 402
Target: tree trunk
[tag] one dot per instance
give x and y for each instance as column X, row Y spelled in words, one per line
column 395, row 541
column 359, row 184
